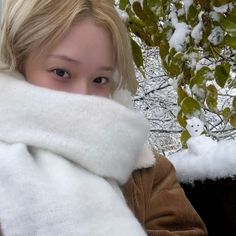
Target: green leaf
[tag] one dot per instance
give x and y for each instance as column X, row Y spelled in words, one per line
column 230, row 41
column 139, row 11
column 219, row 3
column 192, row 16
column 197, row 80
column 146, row 15
column 204, row 71
column 182, row 119
column 164, row 53
column 176, row 64
column 174, row 69
column 211, row 103
column 191, row 107
column 200, row 92
column 232, row 120
column 205, row 4
column 165, row 5
column 226, row 114
column 187, row 75
column 212, row 91
column 211, row 99
column 164, row 49
column 137, row 54
column 202, row 75
column 152, row 3
column 184, row 138
column 181, row 94
column 221, row 75
column 229, row 26
column 136, row 26
column 232, row 15
column 123, row 4
column 151, row 10
column 234, row 103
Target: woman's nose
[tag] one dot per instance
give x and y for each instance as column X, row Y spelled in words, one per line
column 81, row 87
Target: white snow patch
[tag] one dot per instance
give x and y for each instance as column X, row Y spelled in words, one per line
column 178, row 38
column 132, row 2
column 199, row 92
column 205, row 158
column 214, row 16
column 181, row 12
column 174, row 83
column 209, row 76
column 198, row 67
column 195, row 126
column 123, row 15
column 196, row 33
column 223, row 8
column 192, row 59
column 216, row 36
column 180, row 34
column 187, row 4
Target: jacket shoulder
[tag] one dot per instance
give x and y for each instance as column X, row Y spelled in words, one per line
column 158, row 201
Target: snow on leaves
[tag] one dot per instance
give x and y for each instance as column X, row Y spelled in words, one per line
column 197, row 45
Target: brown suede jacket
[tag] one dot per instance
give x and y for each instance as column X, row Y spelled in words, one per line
column 159, row 203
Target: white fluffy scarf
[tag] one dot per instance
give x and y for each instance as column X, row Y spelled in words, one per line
column 62, row 158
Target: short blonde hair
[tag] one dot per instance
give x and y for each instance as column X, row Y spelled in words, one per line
column 30, row 24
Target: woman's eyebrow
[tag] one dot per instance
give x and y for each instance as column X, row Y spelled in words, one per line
column 106, row 68
column 65, row 58
column 76, row 62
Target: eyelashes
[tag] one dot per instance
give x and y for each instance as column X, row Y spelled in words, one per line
column 101, row 80
column 61, row 73
column 64, row 75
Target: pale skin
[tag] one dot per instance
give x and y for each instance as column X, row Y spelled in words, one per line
column 82, row 62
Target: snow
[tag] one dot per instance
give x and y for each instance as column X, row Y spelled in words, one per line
column 178, row 38
column 191, row 59
column 205, row 158
column 198, row 92
column 196, row 33
column 216, row 36
column 181, row 12
column 123, row 15
column 132, row 2
column 218, row 161
column 195, row 127
column 198, row 67
column 187, row 4
column 223, row 8
column 214, row 16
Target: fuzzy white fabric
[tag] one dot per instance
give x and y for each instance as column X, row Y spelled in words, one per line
column 146, row 157
column 62, row 158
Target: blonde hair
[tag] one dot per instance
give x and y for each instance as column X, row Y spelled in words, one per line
column 30, row 24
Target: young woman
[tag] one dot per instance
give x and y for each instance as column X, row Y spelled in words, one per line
column 74, row 158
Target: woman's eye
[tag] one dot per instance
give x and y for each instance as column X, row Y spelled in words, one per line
column 101, row 80
column 61, row 73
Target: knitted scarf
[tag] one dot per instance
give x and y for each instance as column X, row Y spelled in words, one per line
column 62, row 159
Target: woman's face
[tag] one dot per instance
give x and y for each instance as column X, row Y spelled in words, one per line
column 82, row 62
